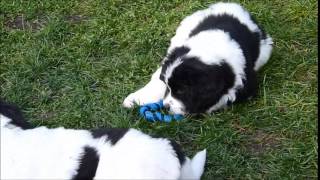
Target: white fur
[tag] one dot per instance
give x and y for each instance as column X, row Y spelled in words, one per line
column 201, row 46
column 43, row 153
column 170, row 69
column 138, row 156
column 151, row 92
column 193, row 169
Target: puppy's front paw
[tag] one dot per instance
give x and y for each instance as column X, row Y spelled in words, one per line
column 129, row 101
column 140, row 98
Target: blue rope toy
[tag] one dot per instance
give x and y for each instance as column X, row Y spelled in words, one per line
column 146, row 111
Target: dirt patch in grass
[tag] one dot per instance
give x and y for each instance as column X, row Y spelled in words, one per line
column 236, row 125
column 74, row 19
column 306, row 76
column 257, row 142
column 282, row 109
column 21, row 23
column 260, row 142
column 46, row 115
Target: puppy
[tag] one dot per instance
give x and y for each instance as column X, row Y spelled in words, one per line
column 212, row 62
column 59, row 153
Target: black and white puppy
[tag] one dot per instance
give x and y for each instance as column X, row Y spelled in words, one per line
column 43, row 153
column 212, row 61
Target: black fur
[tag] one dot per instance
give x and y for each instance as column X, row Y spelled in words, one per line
column 13, row 112
column 198, row 85
column 179, row 153
column 88, row 164
column 248, row 41
column 113, row 134
column 171, row 57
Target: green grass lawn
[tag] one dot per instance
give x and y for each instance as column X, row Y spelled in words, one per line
column 71, row 63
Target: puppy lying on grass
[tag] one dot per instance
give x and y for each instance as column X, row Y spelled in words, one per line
column 41, row 153
column 212, row 62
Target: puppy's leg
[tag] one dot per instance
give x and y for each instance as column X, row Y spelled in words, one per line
column 150, row 93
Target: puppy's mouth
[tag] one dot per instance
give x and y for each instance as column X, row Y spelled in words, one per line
column 174, row 110
column 181, row 112
column 171, row 105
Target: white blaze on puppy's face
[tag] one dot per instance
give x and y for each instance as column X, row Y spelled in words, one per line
column 175, row 106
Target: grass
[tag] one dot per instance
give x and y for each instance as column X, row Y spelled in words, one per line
column 71, row 63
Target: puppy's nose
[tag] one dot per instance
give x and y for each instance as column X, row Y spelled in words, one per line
column 166, row 105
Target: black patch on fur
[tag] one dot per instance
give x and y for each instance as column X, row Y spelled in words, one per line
column 88, row 164
column 248, row 41
column 198, row 85
column 179, row 153
column 171, row 57
column 113, row 134
column 14, row 113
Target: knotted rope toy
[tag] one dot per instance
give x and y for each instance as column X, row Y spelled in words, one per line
column 151, row 113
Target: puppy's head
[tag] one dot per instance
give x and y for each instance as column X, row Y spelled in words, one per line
column 193, row 86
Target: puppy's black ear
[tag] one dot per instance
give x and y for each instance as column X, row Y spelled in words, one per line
column 13, row 112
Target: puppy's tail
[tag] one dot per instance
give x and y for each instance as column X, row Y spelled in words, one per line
column 193, row 168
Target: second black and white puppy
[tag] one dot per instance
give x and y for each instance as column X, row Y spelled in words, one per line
column 212, row 61
column 42, row 153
